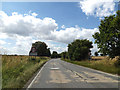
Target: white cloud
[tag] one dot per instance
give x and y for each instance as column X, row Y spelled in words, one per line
column 72, row 33
column 45, row 29
column 63, row 26
column 25, row 25
column 98, row 8
column 94, row 49
column 24, row 29
column 34, row 14
column 3, row 35
column 2, row 42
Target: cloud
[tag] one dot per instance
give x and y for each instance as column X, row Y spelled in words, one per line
column 28, row 25
column 63, row 26
column 98, row 8
column 25, row 25
column 2, row 42
column 72, row 33
column 3, row 35
column 94, row 49
column 23, row 29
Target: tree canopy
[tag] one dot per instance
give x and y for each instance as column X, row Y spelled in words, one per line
column 79, row 49
column 54, row 54
column 64, row 55
column 41, row 48
column 108, row 37
column 96, row 53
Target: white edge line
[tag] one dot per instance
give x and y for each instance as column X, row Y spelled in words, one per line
column 36, row 76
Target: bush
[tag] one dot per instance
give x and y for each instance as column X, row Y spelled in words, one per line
column 79, row 49
column 117, row 61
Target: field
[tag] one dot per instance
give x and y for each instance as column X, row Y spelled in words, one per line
column 17, row 70
column 104, row 64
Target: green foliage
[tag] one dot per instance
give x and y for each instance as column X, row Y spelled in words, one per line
column 48, row 53
column 79, row 49
column 64, row 55
column 108, row 37
column 96, row 53
column 54, row 54
column 42, row 49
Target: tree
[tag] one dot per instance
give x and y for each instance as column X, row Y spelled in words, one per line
column 41, row 48
column 54, row 54
column 101, row 54
column 64, row 55
column 96, row 53
column 48, row 53
column 79, row 49
column 59, row 55
column 108, row 37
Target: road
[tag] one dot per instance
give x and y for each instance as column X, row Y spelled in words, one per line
column 60, row 74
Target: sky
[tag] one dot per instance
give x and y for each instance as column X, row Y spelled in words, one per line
column 55, row 23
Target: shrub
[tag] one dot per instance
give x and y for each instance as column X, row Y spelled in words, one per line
column 117, row 61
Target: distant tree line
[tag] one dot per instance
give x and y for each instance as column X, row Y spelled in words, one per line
column 55, row 55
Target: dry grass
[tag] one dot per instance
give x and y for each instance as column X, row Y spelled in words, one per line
column 98, row 57
column 17, row 70
column 106, row 64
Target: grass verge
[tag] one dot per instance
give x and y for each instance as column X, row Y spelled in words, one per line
column 104, row 65
column 17, row 70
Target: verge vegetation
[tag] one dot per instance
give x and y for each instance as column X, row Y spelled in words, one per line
column 17, row 70
column 108, row 43
column 106, row 64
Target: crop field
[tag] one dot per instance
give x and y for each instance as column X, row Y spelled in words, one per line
column 17, row 70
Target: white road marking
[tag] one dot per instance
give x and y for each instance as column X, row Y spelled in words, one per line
column 36, row 76
column 54, row 68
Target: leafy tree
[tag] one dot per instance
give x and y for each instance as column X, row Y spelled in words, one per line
column 108, row 37
column 96, row 53
column 41, row 48
column 59, row 55
column 79, row 49
column 64, row 55
column 54, row 54
column 48, row 53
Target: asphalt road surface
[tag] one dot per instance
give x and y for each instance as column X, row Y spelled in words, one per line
column 60, row 74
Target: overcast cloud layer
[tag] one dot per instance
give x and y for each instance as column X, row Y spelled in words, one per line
column 24, row 29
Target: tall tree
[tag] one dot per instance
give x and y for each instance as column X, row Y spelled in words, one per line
column 41, row 48
column 108, row 37
column 79, row 49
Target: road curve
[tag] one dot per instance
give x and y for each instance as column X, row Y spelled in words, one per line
column 60, row 74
